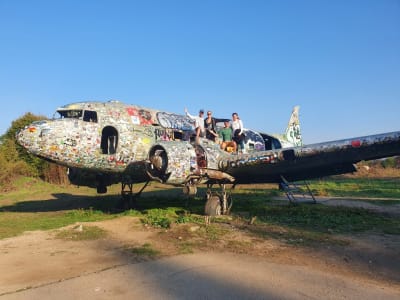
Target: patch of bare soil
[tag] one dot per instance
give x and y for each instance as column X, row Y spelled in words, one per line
column 37, row 258
column 371, row 256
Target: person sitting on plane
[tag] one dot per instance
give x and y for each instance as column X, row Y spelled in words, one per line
column 209, row 125
column 225, row 134
column 237, row 128
column 198, row 123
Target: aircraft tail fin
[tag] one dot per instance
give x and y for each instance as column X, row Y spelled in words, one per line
column 293, row 133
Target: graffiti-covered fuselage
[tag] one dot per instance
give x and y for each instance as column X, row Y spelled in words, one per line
column 112, row 136
column 105, row 139
column 94, row 135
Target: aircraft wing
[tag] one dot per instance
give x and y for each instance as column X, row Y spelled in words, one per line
column 310, row 161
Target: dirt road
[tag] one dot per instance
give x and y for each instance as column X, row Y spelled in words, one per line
column 207, row 276
column 36, row 265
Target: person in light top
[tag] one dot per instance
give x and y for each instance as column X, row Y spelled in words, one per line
column 237, row 128
column 198, row 123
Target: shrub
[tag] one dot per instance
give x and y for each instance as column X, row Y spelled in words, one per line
column 14, row 159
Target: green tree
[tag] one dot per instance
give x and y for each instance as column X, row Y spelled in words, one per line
column 14, row 159
column 20, row 123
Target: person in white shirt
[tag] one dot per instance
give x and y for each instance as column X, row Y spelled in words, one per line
column 237, row 129
column 198, row 123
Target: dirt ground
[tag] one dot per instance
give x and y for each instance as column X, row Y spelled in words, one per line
column 38, row 260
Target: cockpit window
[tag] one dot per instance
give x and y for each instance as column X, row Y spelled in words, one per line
column 90, row 116
column 72, row 114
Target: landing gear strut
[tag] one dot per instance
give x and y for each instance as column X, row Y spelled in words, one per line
column 217, row 203
column 128, row 197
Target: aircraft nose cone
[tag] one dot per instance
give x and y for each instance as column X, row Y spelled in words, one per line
column 30, row 136
column 27, row 137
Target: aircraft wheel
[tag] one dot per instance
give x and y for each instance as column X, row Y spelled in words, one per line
column 213, row 206
column 101, row 189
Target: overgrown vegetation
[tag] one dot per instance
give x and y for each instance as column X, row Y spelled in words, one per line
column 15, row 161
column 163, row 218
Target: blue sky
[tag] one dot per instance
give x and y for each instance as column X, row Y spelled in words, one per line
column 339, row 60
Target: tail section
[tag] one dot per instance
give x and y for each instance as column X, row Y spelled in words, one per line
column 293, row 133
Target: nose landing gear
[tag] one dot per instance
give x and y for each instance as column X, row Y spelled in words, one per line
column 218, row 203
column 128, row 197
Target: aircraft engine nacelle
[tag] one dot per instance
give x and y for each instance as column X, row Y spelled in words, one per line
column 172, row 162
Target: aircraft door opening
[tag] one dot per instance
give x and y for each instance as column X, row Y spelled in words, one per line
column 109, row 140
column 201, row 157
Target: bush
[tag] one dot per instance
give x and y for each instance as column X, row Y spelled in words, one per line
column 157, row 218
column 14, row 159
column 389, row 162
column 9, row 171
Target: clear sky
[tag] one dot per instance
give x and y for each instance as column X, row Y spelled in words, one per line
column 339, row 60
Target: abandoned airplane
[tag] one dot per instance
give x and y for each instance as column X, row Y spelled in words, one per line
column 103, row 143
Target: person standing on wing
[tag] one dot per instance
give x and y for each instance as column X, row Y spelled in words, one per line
column 237, row 128
column 198, row 123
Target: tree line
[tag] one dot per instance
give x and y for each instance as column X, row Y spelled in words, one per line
column 15, row 161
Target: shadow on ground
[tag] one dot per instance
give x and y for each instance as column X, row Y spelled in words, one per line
column 109, row 203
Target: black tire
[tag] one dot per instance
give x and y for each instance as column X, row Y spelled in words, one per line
column 101, row 189
column 213, row 206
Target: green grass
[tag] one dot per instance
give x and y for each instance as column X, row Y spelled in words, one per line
column 383, row 202
column 82, row 233
column 40, row 206
column 307, row 224
column 163, row 218
column 357, row 187
column 31, row 188
column 15, row 223
column 326, row 219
